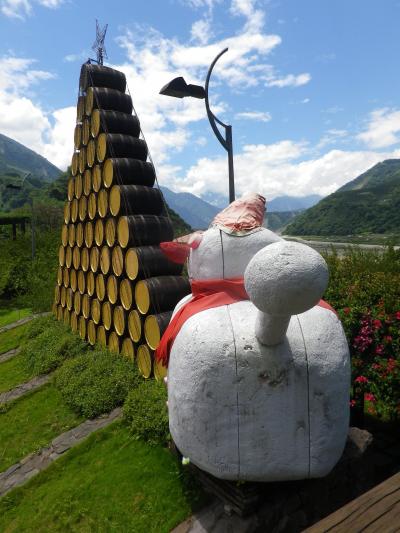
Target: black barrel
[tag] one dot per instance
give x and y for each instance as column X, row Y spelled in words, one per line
column 161, row 293
column 101, row 76
column 106, row 121
column 117, row 145
column 139, row 230
column 148, row 261
column 154, row 327
column 125, row 171
column 80, row 109
column 135, row 200
column 102, row 98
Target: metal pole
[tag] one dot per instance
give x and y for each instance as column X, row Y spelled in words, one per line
column 230, row 164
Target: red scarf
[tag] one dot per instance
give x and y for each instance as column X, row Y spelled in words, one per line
column 207, row 294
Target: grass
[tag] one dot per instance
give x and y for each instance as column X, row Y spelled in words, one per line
column 32, row 422
column 12, row 373
column 10, row 315
column 110, row 482
column 12, row 338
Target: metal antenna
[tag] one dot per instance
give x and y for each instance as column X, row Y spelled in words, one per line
column 98, row 45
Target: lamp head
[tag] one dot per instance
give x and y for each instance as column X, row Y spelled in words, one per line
column 178, row 88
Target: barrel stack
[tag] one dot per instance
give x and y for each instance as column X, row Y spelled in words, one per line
column 114, row 285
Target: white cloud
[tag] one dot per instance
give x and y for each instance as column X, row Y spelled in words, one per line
column 290, row 80
column 382, row 128
column 58, row 146
column 22, row 8
column 332, row 136
column 261, row 116
column 279, row 169
column 201, row 31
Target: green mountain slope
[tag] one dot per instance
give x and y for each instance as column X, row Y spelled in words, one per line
column 368, row 204
column 15, row 158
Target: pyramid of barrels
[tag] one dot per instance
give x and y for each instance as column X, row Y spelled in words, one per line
column 114, row 285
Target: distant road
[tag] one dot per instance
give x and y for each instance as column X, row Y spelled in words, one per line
column 326, row 245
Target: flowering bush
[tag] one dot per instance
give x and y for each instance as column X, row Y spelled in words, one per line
column 364, row 288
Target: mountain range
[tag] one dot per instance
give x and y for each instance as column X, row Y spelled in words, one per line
column 368, row 204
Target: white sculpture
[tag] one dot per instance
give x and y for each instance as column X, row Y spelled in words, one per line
column 259, row 389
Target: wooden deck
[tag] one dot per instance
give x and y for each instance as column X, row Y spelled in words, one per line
column 376, row 511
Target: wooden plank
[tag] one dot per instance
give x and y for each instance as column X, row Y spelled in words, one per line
column 374, row 507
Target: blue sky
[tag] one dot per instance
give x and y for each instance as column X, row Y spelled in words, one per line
column 311, row 88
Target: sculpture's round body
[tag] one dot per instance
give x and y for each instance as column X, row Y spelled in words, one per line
column 245, row 411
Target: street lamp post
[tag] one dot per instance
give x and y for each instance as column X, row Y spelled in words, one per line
column 178, row 88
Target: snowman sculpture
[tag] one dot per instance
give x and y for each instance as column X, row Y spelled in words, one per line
column 258, row 365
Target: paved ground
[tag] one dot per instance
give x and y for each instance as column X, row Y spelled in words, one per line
column 24, row 388
column 22, row 321
column 31, row 465
column 9, row 355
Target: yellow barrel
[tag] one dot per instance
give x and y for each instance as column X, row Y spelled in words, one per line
column 128, row 349
column 112, row 289
column 79, row 234
column 75, row 163
column 100, row 287
column 60, row 313
column 57, row 294
column 107, row 315
column 91, row 153
column 91, row 332
column 99, row 232
column 101, row 336
column 160, row 371
column 54, row 309
column 66, row 316
column 82, row 208
column 77, row 303
column 67, row 211
column 134, row 326
column 69, row 299
column 68, row 256
column 81, row 282
column 149, row 261
column 105, row 259
column 82, row 327
column 134, row 200
column 111, row 231
column 96, row 178
column 102, row 203
column 154, row 327
column 78, row 186
column 71, row 234
column 59, row 276
column 119, row 319
column 160, row 293
column 87, row 182
column 140, row 230
column 74, row 210
column 73, row 279
column 90, row 283
column 86, row 306
column 92, row 205
column 94, row 259
column 85, row 131
column 78, row 136
column 71, row 189
column 144, row 360
column 85, row 261
column 74, row 321
column 96, row 310
column 126, row 294
column 88, row 234
column 117, row 260
column 80, row 108
column 61, row 255
column 66, row 277
column 82, row 160
column 113, row 343
column 64, row 235
column 63, row 296
column 76, row 257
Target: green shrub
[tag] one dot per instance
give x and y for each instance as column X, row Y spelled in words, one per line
column 146, row 414
column 49, row 343
column 96, row 382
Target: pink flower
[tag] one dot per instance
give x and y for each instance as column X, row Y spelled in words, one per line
column 370, row 397
column 346, row 310
column 361, row 379
column 379, row 349
column 397, row 315
column 388, row 338
column 352, row 403
column 377, row 324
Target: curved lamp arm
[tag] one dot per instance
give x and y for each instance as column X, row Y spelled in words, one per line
column 211, row 117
